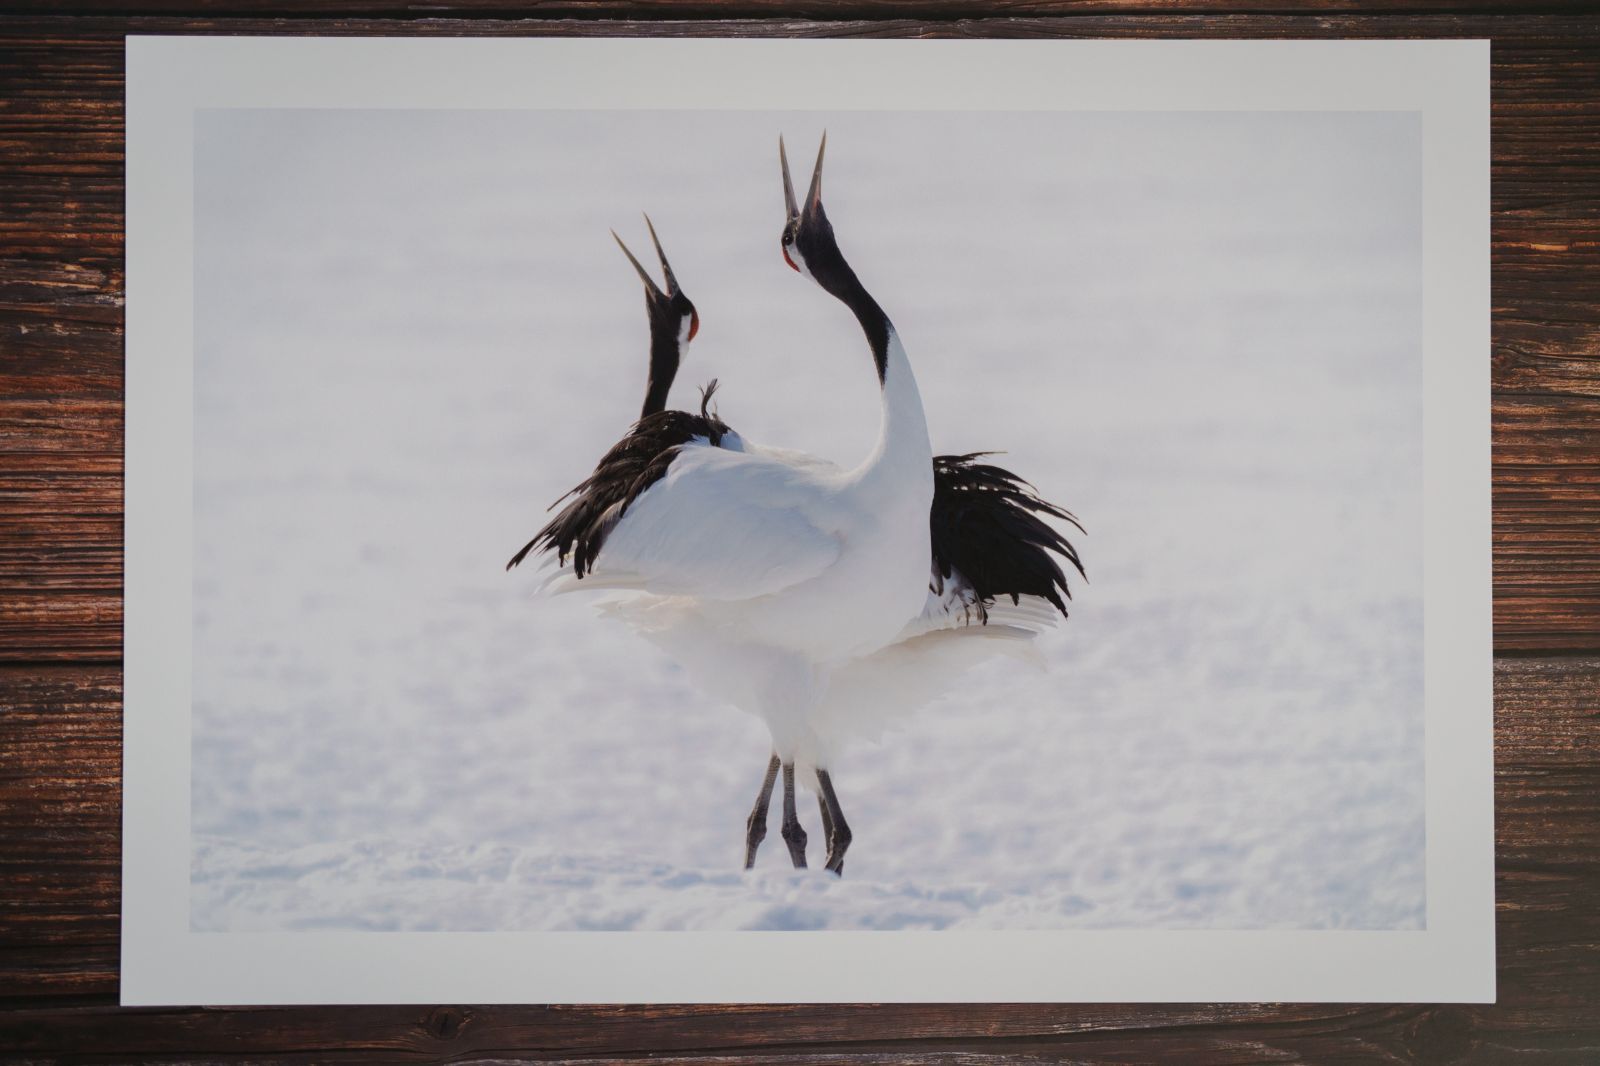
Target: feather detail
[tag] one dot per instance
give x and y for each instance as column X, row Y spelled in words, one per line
column 633, row 464
column 990, row 538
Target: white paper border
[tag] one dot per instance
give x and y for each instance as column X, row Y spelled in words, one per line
column 164, row 962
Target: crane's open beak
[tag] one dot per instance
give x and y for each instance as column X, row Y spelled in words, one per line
column 813, row 195
column 650, row 287
column 666, row 268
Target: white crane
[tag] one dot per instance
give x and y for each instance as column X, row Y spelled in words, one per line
column 794, row 588
column 646, row 450
column 989, row 544
column 673, row 324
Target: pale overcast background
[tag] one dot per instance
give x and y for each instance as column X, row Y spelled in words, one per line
column 1200, row 332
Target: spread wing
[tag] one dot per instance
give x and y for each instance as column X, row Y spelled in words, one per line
column 719, row 524
column 991, row 543
column 642, row 457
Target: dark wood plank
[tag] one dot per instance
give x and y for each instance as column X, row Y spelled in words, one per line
column 60, row 570
column 856, row 1033
column 815, row 10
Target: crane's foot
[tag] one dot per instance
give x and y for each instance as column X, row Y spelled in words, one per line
column 755, row 827
column 793, row 835
column 833, row 823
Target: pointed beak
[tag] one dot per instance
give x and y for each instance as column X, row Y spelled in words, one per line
column 788, row 185
column 666, row 268
column 650, row 287
column 813, row 195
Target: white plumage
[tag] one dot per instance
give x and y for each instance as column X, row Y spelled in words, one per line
column 791, row 587
column 778, row 567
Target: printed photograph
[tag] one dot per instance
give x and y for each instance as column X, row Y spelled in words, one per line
column 738, row 520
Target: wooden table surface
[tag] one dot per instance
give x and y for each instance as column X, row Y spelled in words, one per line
column 61, row 320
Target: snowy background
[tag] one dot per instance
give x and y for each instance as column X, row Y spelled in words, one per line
column 1200, row 332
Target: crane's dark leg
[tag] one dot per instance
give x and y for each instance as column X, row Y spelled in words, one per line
column 833, row 821
column 793, row 835
column 827, row 817
column 755, row 827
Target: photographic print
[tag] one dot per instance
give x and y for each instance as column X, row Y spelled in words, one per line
column 919, row 523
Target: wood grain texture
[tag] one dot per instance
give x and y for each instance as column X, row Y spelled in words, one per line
column 61, row 291
column 811, row 10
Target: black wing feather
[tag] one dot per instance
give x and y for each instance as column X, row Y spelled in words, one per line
column 989, row 524
column 633, row 464
column 985, row 522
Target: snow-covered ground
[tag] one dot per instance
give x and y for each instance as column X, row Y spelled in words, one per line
column 1200, row 332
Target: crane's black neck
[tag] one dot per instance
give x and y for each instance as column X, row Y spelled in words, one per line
column 814, row 240
column 835, row 275
column 663, row 369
